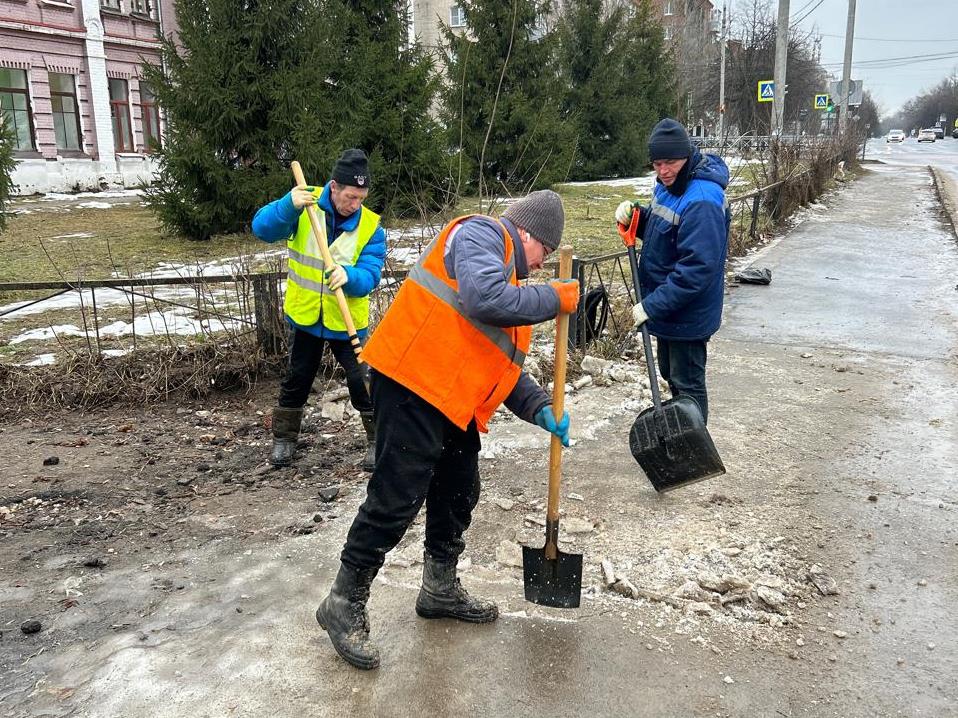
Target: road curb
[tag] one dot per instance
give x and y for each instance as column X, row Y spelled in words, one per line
column 947, row 191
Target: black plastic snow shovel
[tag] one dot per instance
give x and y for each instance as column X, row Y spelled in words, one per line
column 553, row 578
column 669, row 439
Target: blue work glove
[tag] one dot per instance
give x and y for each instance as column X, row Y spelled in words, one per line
column 547, row 420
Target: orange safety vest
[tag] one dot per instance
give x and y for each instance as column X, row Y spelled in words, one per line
column 427, row 342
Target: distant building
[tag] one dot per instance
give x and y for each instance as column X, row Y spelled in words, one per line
column 70, row 88
column 689, row 17
column 428, row 18
column 677, row 16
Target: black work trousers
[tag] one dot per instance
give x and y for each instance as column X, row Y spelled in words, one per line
column 421, row 457
column 682, row 365
column 305, row 356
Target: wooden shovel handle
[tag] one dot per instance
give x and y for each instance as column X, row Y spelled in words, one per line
column 319, row 231
column 558, row 404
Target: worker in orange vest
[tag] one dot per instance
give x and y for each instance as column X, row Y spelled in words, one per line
column 446, row 354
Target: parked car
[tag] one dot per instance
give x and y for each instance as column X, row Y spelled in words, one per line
column 939, row 132
column 927, row 135
column 895, row 136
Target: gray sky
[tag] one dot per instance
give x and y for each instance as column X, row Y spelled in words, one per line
column 884, row 29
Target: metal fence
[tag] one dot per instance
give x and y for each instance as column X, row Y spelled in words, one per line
column 248, row 306
column 243, row 307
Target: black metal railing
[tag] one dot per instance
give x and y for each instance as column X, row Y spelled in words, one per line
column 255, row 302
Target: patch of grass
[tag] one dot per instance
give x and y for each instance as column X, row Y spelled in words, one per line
column 126, row 238
column 589, row 216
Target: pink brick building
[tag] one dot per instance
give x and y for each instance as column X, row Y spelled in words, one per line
column 70, row 87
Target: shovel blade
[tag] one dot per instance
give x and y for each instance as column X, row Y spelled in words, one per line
column 556, row 583
column 672, row 445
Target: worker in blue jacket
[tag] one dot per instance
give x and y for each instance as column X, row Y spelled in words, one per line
column 682, row 263
column 357, row 244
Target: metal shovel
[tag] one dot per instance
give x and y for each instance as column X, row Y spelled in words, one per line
column 553, row 578
column 669, row 439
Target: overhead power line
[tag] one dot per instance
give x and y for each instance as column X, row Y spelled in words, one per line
column 802, row 9
column 884, row 39
column 793, row 23
column 897, row 61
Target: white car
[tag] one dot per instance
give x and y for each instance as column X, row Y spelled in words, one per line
column 927, row 135
column 895, row 136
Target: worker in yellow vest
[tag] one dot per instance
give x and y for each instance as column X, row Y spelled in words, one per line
column 357, row 243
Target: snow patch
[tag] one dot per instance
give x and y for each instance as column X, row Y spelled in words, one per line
column 94, row 205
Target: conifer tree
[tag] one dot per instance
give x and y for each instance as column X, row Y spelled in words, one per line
column 388, row 90
column 7, row 165
column 502, row 102
column 254, row 85
column 617, row 75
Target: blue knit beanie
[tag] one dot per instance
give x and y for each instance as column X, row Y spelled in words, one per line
column 669, row 141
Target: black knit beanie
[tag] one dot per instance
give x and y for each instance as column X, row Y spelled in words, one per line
column 669, row 141
column 541, row 215
column 352, row 168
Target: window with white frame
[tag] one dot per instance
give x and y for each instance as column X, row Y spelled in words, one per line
column 667, row 7
column 111, row 4
column 457, row 16
column 15, row 105
column 668, row 32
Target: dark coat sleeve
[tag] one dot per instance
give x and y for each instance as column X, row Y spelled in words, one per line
column 527, row 398
column 484, row 289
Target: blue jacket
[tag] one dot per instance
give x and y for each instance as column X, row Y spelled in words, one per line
column 278, row 220
column 684, row 246
column 475, row 257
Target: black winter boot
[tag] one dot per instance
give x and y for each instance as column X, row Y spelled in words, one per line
column 369, row 460
column 342, row 614
column 286, row 423
column 442, row 595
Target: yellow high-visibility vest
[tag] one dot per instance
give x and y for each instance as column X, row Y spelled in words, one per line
column 308, row 297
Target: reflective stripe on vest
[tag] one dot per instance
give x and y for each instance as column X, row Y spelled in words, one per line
column 442, row 291
column 463, row 367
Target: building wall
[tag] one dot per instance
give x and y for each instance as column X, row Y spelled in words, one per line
column 428, row 19
column 93, row 43
column 681, row 15
column 674, row 14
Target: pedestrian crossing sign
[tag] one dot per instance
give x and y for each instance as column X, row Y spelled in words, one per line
column 766, row 90
column 821, row 102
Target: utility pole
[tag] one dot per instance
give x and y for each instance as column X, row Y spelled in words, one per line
column 847, row 68
column 781, row 59
column 721, row 121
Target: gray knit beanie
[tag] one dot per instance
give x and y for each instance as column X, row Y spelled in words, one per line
column 541, row 215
